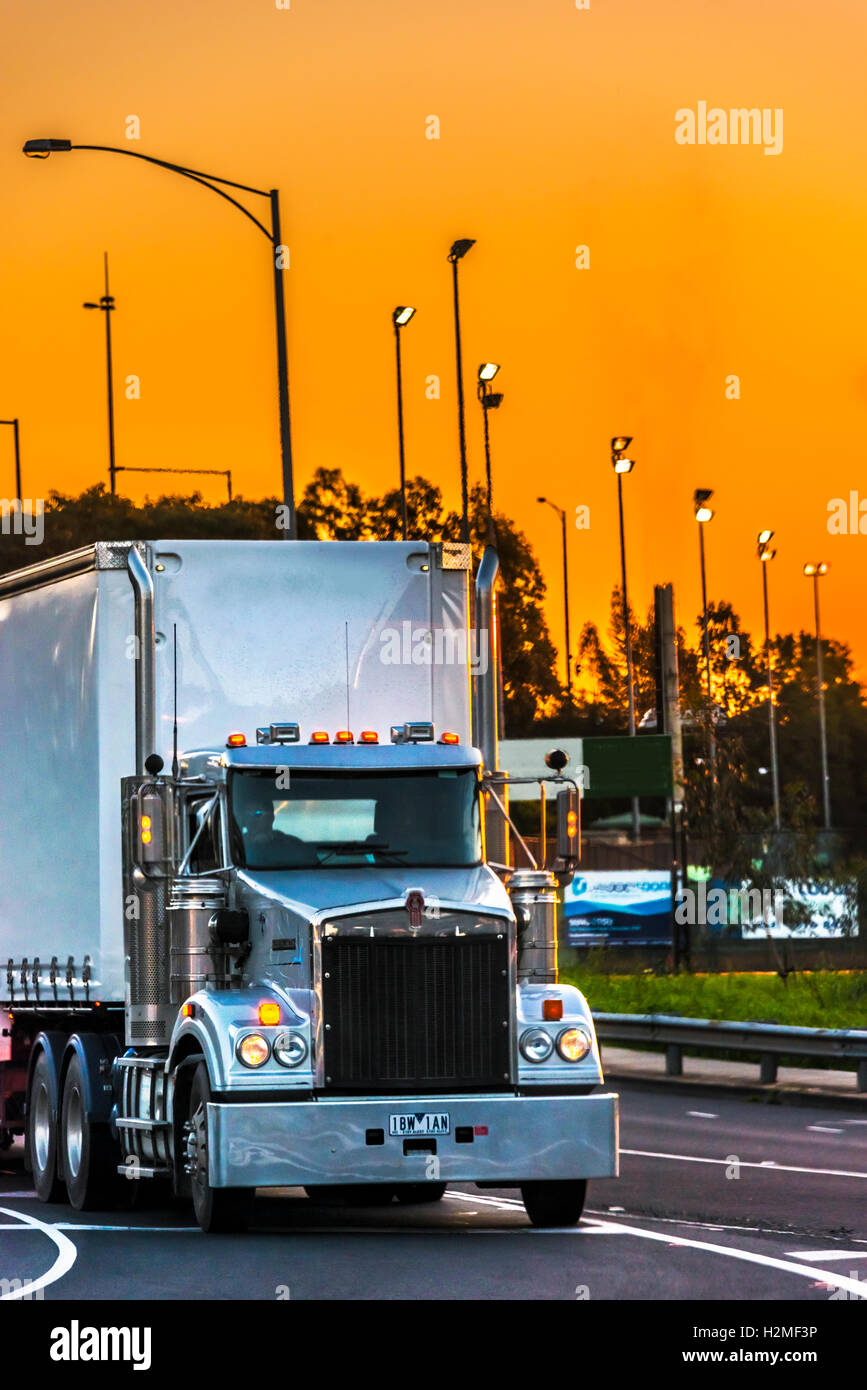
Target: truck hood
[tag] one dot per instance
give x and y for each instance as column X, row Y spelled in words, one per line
column 310, row 892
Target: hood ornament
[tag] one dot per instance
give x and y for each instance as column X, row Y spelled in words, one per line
column 414, row 902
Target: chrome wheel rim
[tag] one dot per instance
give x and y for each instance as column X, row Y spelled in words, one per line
column 74, row 1133
column 41, row 1127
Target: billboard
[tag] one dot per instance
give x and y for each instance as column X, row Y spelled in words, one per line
column 618, row 907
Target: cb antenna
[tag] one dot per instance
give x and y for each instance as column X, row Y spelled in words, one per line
column 175, row 724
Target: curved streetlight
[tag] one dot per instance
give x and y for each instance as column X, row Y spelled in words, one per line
column 703, row 514
column 622, row 465
column 815, row 573
column 42, row 148
column 14, row 424
column 401, row 316
column 490, row 400
column 457, row 252
column 562, row 515
column 765, row 554
column 107, row 306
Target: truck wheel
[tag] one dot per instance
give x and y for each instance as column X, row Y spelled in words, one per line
column 554, row 1203
column 218, row 1209
column 416, row 1194
column 90, row 1157
column 42, row 1132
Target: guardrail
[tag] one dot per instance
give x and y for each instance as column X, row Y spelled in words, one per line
column 770, row 1040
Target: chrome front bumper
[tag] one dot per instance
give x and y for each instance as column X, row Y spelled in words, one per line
column 515, row 1139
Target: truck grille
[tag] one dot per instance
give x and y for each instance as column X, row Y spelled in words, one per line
column 405, row 1014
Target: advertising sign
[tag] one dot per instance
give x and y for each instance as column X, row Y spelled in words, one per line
column 629, row 907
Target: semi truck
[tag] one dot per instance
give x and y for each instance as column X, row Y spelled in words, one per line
column 258, row 925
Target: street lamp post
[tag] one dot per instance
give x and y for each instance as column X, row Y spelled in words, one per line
column 703, row 514
column 815, row 572
column 402, row 315
column 765, row 555
column 42, row 148
column 490, row 400
column 562, row 515
column 107, row 306
column 14, row 424
column 457, row 252
column 621, row 465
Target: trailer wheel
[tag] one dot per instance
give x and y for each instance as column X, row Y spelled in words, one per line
column 89, row 1156
column 554, row 1203
column 42, row 1132
column 418, row 1194
column 217, row 1208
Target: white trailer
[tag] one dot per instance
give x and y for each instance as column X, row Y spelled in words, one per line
column 223, row 765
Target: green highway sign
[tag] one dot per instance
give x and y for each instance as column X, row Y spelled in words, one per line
column 626, row 767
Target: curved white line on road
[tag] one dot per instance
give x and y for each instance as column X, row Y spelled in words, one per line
column 66, row 1256
column 823, row 1276
column 741, row 1163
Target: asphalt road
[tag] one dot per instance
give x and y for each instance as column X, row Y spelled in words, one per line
column 678, row 1224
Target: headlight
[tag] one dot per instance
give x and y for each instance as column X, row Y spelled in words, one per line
column 253, row 1050
column 573, row 1044
column 290, row 1049
column 536, row 1045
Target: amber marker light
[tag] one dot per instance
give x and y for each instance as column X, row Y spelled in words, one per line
column 269, row 1013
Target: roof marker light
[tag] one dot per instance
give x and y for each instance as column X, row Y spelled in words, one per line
column 319, row 737
column 343, row 736
column 368, row 736
column 450, row 738
column 236, row 741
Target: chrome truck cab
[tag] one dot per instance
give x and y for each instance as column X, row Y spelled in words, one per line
column 346, row 993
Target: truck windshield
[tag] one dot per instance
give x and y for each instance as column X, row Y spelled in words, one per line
column 418, row 819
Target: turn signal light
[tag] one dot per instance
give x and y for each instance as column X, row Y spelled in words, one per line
column 269, row 1013
column 552, row 1010
column 368, row 736
column 343, row 736
column 236, row 741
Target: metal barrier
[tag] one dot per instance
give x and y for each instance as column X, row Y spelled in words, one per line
column 770, row 1040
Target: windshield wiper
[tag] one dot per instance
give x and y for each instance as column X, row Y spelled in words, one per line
column 357, row 847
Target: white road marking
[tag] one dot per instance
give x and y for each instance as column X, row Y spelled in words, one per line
column 828, row 1255
column 703, row 1114
column 741, row 1163
column 705, row 1225
column 824, row 1129
column 66, row 1256
column 825, row 1276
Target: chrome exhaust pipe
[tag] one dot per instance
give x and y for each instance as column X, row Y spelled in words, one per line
column 145, row 695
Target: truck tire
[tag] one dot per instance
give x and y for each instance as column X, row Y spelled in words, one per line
column 416, row 1194
column 218, row 1209
column 554, row 1203
column 89, row 1155
column 42, row 1131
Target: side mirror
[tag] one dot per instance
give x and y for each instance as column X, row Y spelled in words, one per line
column 229, row 928
column 568, row 827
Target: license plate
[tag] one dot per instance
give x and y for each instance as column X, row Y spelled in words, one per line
column 418, row 1122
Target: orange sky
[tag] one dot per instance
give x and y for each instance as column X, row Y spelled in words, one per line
column 556, row 129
